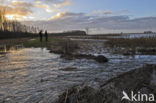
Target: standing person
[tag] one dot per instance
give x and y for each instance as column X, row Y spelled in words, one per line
column 40, row 34
column 46, row 36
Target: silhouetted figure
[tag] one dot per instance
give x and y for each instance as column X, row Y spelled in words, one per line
column 40, row 34
column 46, row 36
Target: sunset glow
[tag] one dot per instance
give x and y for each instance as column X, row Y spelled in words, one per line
column 14, row 17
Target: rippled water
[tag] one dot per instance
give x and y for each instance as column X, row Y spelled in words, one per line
column 33, row 75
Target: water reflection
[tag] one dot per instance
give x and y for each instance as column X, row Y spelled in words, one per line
column 8, row 48
column 34, row 75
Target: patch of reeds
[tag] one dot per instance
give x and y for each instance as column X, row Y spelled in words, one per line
column 62, row 46
column 130, row 46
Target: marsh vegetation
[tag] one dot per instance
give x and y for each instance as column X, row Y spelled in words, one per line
column 132, row 46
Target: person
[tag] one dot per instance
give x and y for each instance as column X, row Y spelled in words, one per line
column 40, row 34
column 46, row 36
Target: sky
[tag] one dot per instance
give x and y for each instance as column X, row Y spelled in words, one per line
column 99, row 16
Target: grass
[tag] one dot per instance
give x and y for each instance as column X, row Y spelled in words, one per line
column 35, row 43
column 54, row 44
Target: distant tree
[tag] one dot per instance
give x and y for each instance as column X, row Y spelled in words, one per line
column 87, row 30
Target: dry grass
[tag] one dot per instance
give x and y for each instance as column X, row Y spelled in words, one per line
column 135, row 42
column 132, row 46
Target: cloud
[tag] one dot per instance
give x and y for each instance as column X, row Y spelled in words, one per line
column 46, row 7
column 62, row 4
column 26, row 8
column 55, row 3
column 21, row 4
column 18, row 8
column 63, row 15
column 52, row 1
column 72, row 21
column 110, row 12
column 51, row 5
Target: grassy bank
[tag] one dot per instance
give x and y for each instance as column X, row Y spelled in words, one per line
column 55, row 44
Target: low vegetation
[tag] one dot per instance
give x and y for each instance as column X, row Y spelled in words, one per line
column 129, row 46
column 134, row 42
column 58, row 45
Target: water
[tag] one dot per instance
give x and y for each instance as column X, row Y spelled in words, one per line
column 33, row 75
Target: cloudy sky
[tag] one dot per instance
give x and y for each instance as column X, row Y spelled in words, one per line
column 100, row 16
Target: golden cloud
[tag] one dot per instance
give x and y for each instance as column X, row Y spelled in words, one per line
column 17, row 10
column 67, row 15
column 23, row 9
column 59, row 15
column 21, row 4
column 46, row 7
column 17, row 7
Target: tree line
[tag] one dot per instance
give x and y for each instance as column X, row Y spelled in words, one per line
column 14, row 27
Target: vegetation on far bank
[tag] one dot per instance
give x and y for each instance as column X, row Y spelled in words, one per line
column 131, row 42
column 132, row 46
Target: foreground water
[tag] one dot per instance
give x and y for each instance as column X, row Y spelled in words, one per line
column 33, row 75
